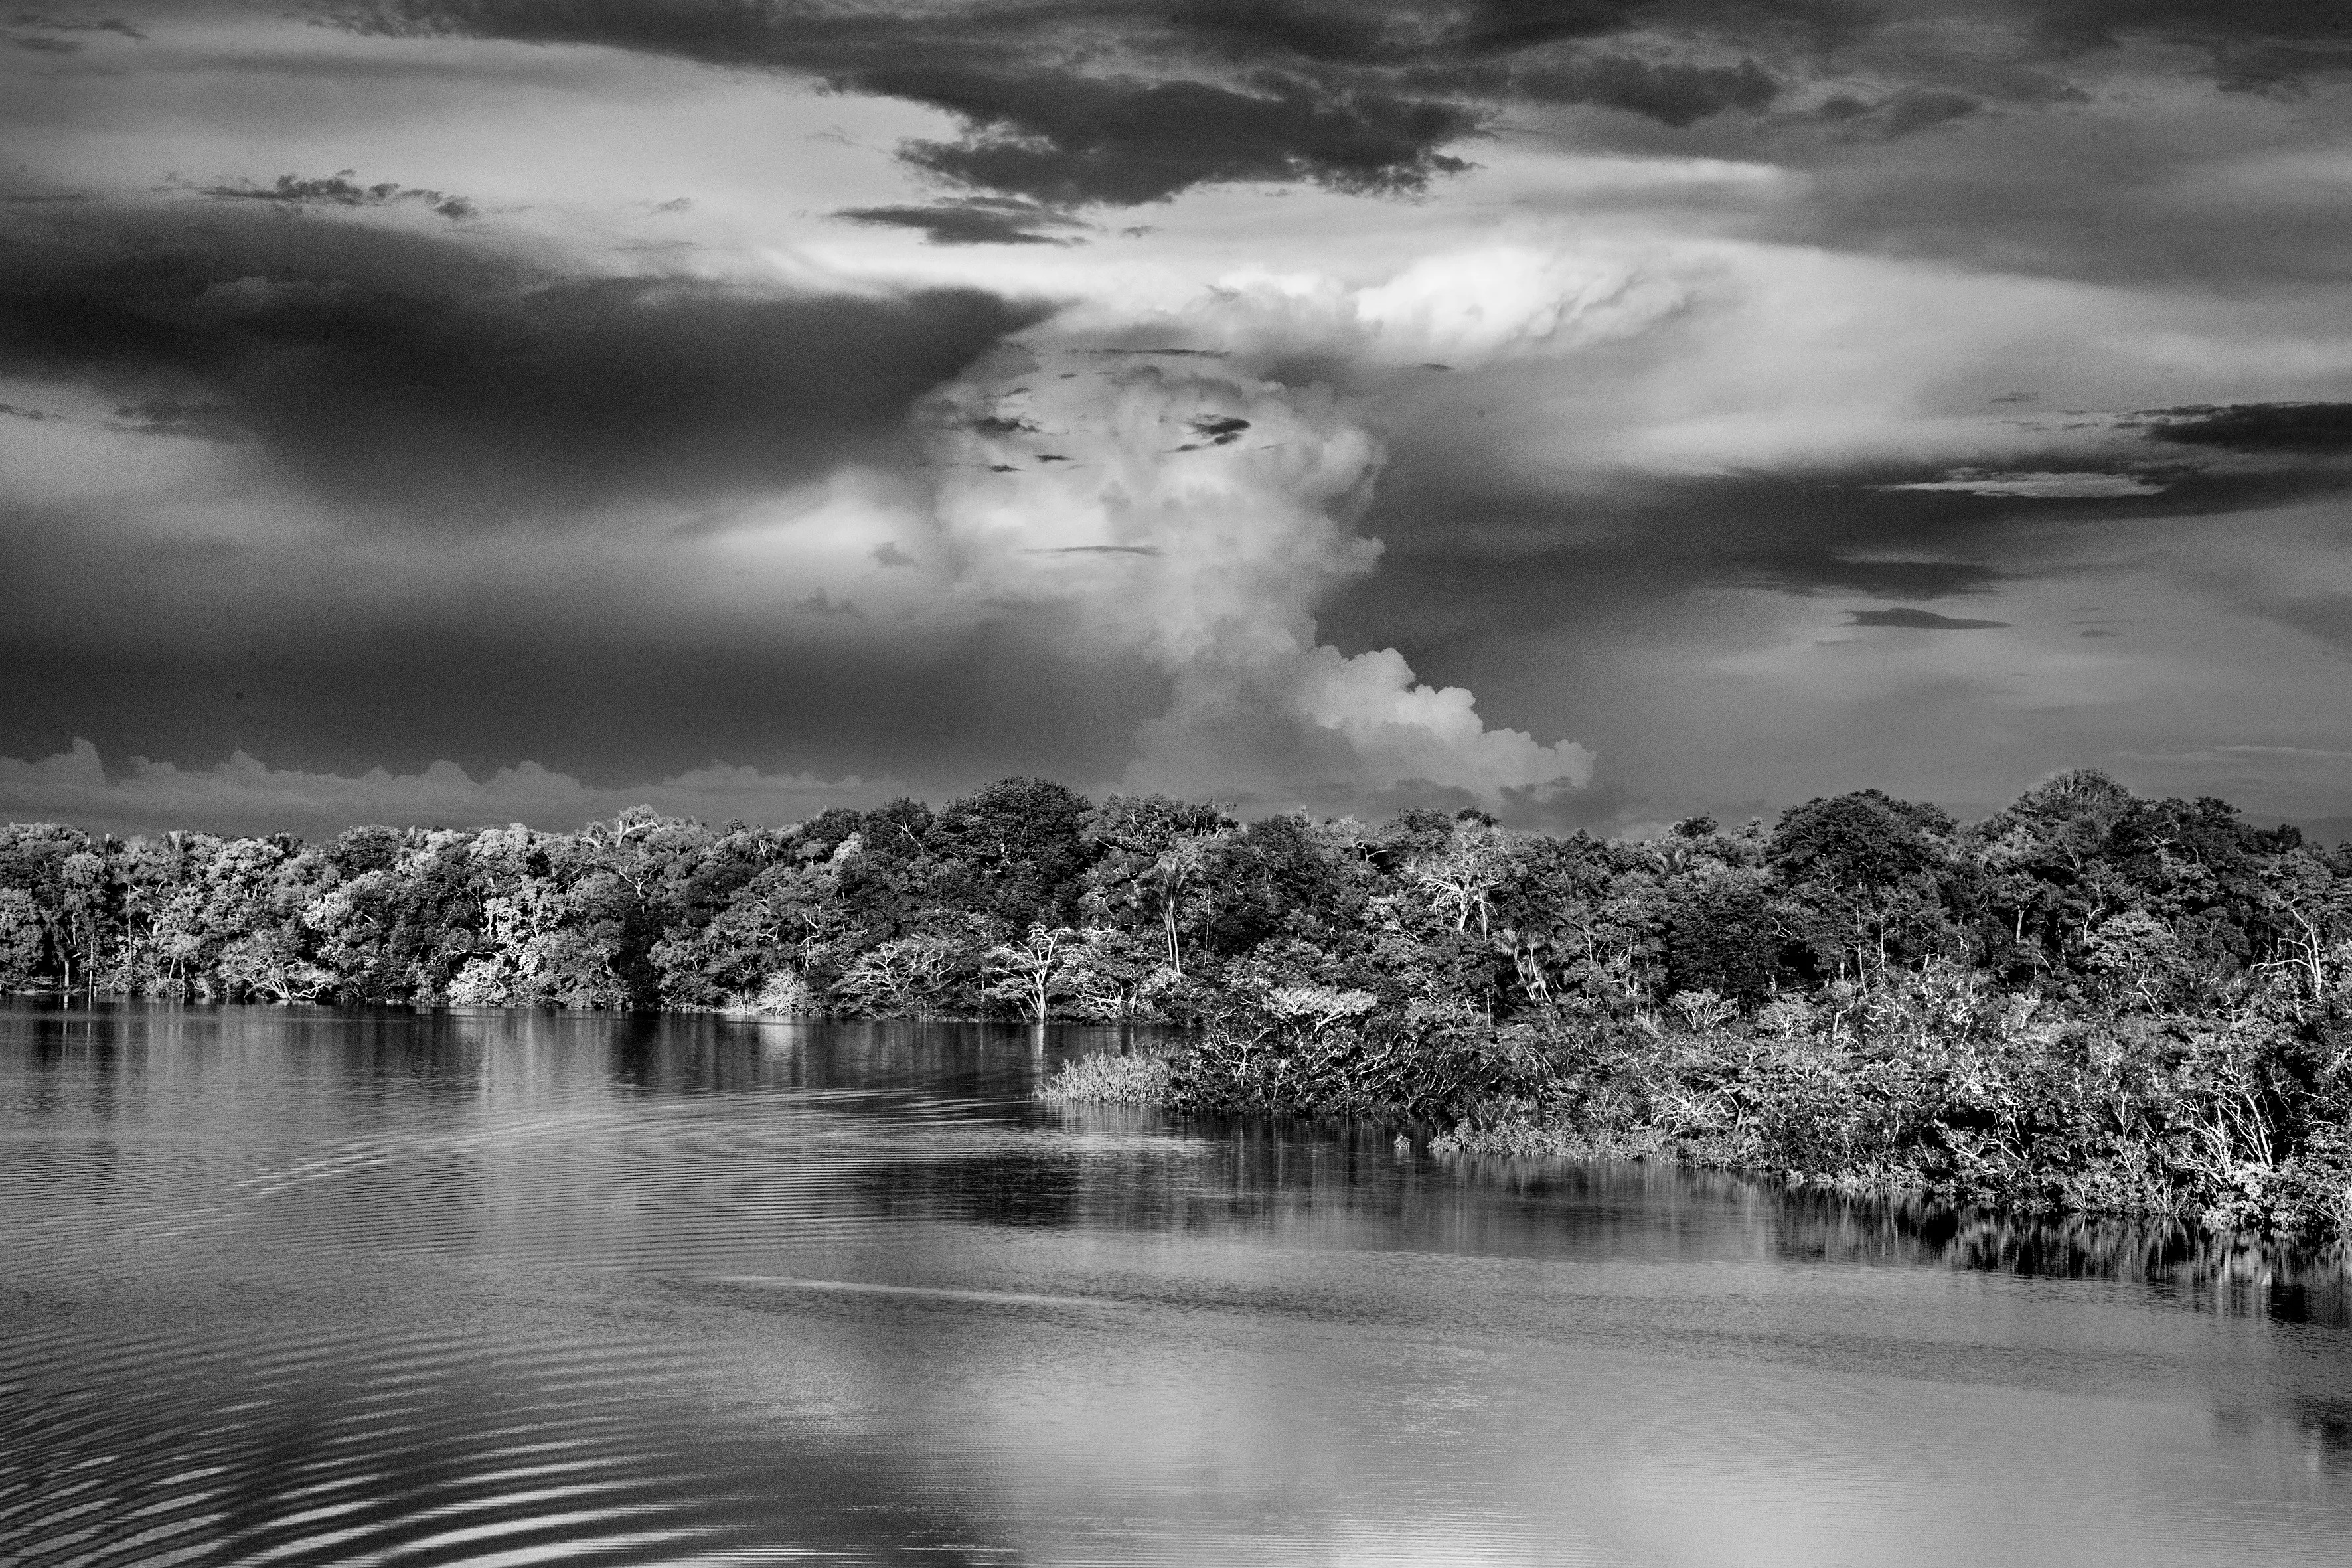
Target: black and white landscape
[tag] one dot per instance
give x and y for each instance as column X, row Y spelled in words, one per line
column 1217, row 782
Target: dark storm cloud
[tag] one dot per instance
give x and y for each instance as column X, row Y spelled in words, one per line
column 1464, row 556
column 974, row 220
column 195, row 421
column 1375, row 35
column 1801, row 531
column 1096, row 101
column 1672, row 94
column 75, row 24
column 413, row 374
column 1124, row 102
column 2251, row 46
column 340, row 189
column 1918, row 620
column 1885, row 579
column 2308, row 429
column 1900, row 114
column 38, row 31
column 1124, row 142
column 1040, row 121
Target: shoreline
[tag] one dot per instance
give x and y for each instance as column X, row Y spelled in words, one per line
column 2087, row 1001
column 2145, row 1119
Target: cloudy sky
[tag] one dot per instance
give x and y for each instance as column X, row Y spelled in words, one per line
column 482, row 410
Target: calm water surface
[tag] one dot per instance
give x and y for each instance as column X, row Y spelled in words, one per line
column 283, row 1287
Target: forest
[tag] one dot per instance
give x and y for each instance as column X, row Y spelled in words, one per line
column 2087, row 1002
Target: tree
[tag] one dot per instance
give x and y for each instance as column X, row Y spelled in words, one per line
column 1151, row 851
column 1861, row 842
column 1113, row 974
column 905, row 977
column 1034, row 974
column 273, row 963
column 1276, row 877
column 2309, row 911
column 1723, row 934
column 1460, row 876
column 2139, row 953
column 1016, row 850
column 24, row 940
column 1864, row 870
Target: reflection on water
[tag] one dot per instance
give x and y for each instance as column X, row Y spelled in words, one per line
column 289, row 1287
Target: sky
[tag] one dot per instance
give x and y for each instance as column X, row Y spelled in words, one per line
column 1595, row 411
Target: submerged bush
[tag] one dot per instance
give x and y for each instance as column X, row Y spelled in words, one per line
column 783, row 995
column 1935, row 1083
column 1102, row 1078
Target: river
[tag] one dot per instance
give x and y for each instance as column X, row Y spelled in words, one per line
column 285, row 1286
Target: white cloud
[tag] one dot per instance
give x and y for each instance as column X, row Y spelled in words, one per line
column 245, row 795
column 1464, row 308
column 1310, row 726
column 1195, row 513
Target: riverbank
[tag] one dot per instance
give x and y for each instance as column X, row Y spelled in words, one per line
column 1931, row 1084
column 2085, row 1003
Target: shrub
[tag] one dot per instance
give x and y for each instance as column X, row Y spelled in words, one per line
column 1102, row 1078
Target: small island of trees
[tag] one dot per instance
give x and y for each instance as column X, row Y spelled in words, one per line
column 2087, row 1002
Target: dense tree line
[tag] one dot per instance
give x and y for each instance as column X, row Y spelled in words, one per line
column 2087, row 1000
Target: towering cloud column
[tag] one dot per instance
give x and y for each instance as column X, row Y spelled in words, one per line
column 1195, row 512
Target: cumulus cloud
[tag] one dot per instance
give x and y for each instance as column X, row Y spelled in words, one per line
column 1301, row 722
column 245, row 795
column 1456, row 309
column 1187, row 508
